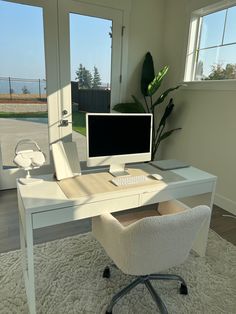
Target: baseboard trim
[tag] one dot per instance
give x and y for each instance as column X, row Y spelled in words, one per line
column 225, row 203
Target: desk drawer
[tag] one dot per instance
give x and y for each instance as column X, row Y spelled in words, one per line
column 176, row 193
column 66, row 214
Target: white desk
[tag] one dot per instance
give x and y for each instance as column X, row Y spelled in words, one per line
column 45, row 204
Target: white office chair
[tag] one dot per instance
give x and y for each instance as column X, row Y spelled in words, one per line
column 149, row 245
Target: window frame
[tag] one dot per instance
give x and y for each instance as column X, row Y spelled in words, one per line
column 193, row 45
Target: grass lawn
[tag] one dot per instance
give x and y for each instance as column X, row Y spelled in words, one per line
column 23, row 115
column 78, row 122
column 78, row 118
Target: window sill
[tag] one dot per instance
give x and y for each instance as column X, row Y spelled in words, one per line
column 229, row 85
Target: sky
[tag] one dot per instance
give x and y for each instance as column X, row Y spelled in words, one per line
column 22, row 52
column 212, row 35
column 22, row 43
column 90, row 44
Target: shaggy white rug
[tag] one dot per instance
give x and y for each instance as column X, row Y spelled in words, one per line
column 69, row 280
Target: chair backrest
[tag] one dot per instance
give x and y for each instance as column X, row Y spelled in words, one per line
column 152, row 244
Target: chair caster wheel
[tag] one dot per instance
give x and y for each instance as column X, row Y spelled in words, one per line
column 183, row 289
column 106, row 274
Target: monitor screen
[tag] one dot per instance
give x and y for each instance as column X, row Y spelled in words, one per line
column 118, row 138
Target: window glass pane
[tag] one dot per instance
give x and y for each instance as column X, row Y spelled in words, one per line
column 23, row 95
column 216, row 63
column 91, row 53
column 212, row 29
column 230, row 29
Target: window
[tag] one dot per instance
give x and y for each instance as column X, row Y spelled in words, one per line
column 211, row 51
column 23, row 94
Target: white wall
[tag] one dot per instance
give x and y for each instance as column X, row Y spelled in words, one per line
column 208, row 137
column 145, row 34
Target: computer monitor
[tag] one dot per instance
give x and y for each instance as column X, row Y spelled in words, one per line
column 115, row 139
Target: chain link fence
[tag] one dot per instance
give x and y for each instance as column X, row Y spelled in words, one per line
column 12, row 88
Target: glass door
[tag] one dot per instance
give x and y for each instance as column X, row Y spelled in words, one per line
column 90, row 58
column 25, row 91
column 46, row 47
column 90, row 50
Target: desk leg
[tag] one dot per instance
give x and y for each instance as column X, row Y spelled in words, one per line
column 26, row 241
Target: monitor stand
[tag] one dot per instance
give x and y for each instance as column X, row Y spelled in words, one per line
column 118, row 170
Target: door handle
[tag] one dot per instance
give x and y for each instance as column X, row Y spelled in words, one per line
column 64, row 122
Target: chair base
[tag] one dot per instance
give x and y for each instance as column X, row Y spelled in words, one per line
column 147, row 281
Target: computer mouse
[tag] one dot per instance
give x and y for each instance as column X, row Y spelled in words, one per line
column 156, row 176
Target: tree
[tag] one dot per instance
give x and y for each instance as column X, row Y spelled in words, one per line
column 96, row 78
column 84, row 77
column 230, row 71
column 25, row 90
column 79, row 75
column 218, row 72
column 87, row 78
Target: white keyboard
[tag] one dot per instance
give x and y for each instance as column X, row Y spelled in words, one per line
column 129, row 180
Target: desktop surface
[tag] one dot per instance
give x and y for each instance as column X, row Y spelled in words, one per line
column 50, row 195
column 99, row 183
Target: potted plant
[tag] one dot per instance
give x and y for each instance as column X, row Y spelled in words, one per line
column 150, row 84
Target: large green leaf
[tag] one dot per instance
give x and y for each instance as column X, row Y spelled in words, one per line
column 164, row 95
column 139, row 104
column 156, row 83
column 148, row 73
column 129, row 107
column 167, row 112
column 167, row 134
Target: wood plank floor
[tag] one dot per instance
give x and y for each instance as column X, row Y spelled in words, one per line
column 9, row 226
